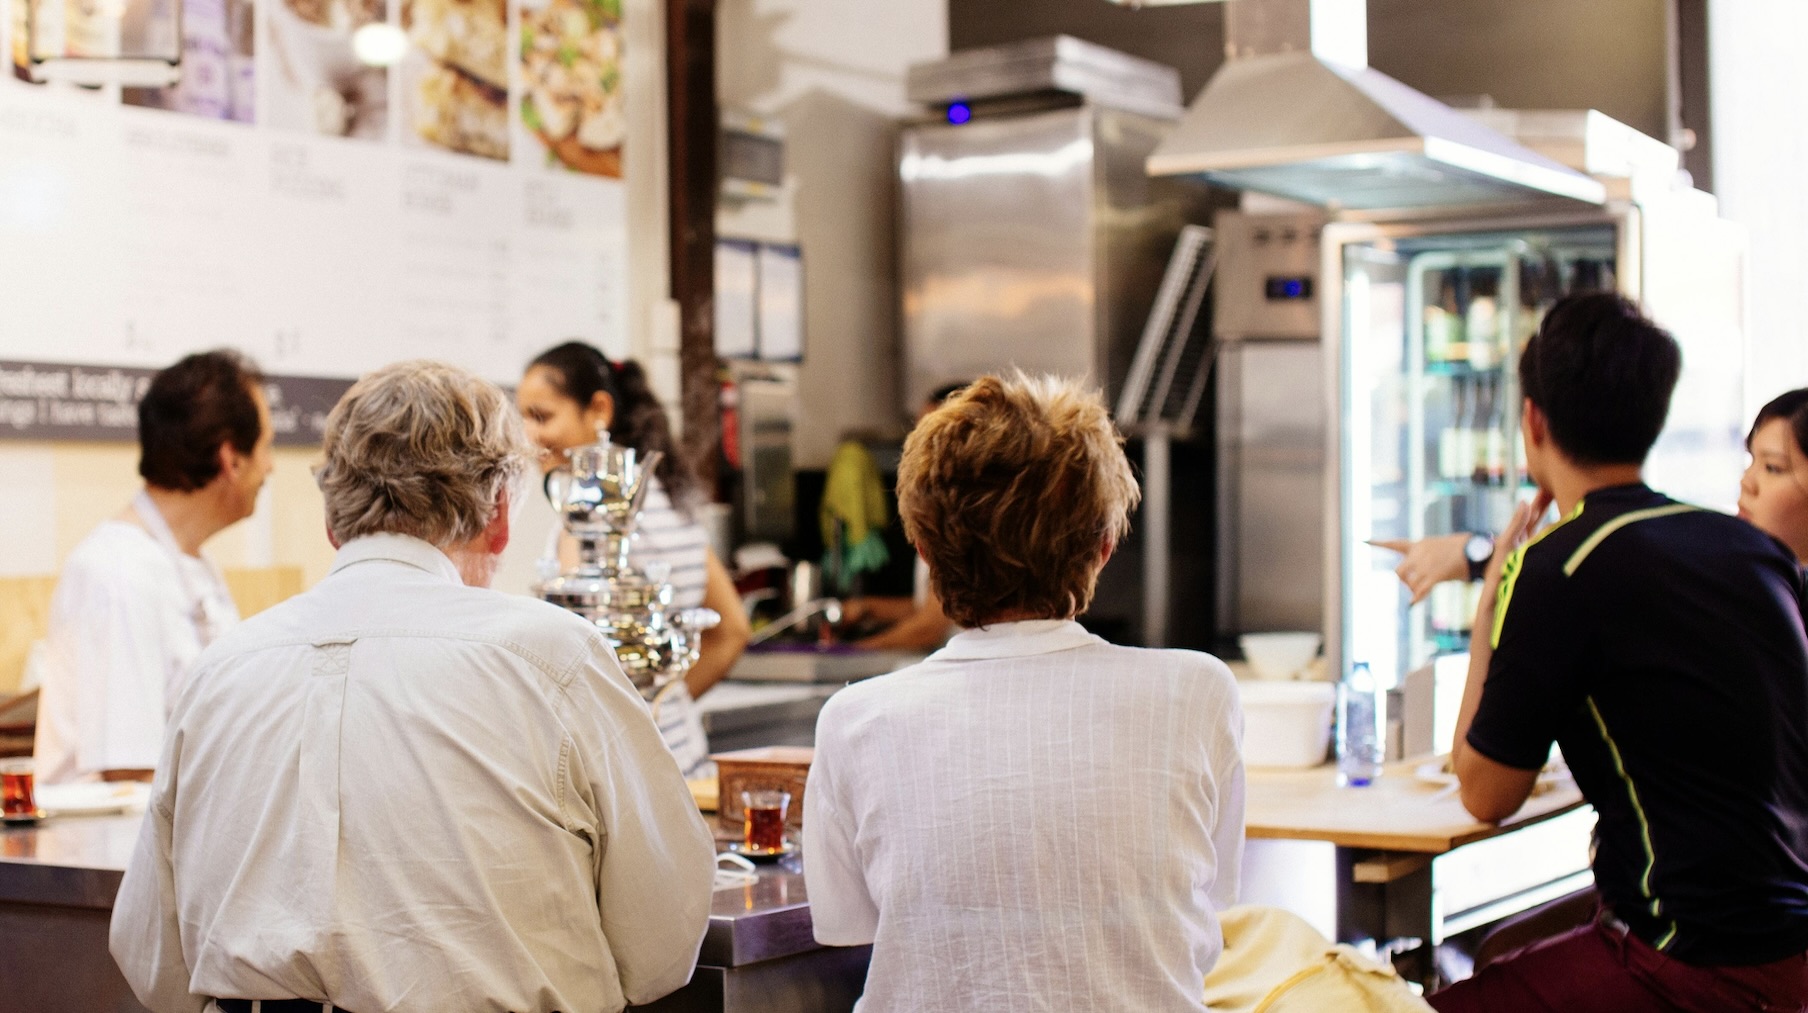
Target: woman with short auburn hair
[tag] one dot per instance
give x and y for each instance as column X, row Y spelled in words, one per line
column 1015, row 493
column 1031, row 817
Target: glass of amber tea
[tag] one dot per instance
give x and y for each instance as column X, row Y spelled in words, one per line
column 763, row 819
column 16, row 798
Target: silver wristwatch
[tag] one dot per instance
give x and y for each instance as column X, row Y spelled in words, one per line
column 1478, row 550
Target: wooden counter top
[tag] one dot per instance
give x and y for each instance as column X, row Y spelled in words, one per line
column 1399, row 812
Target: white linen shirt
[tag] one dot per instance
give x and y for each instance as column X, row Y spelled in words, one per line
column 1030, row 819
column 118, row 648
column 395, row 792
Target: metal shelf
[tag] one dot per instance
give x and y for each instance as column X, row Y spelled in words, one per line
column 1462, row 369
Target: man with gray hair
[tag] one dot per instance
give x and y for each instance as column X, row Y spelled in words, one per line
column 402, row 791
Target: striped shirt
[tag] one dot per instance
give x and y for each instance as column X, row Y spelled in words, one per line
column 666, row 539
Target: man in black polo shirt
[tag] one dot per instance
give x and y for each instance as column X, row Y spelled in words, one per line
column 1663, row 647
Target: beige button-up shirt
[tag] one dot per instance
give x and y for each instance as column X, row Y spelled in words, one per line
column 396, row 792
column 1031, row 819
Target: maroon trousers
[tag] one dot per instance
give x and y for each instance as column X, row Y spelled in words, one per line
column 1602, row 968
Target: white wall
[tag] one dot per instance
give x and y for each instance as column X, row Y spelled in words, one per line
column 833, row 72
column 773, row 51
column 1759, row 83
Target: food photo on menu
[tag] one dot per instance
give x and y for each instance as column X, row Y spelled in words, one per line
column 316, row 83
column 572, row 101
column 16, row 42
column 218, row 70
column 455, row 78
column 98, row 32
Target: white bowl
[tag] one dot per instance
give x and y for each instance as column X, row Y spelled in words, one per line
column 1286, row 724
column 1279, row 655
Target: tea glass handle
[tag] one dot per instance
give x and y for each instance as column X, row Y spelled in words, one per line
column 558, row 483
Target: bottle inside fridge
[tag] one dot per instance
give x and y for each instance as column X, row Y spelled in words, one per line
column 1438, row 323
column 1481, row 321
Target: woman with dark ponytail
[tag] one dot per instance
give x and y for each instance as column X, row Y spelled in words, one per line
column 569, row 395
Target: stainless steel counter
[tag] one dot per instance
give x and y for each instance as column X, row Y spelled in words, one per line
column 762, row 920
column 74, row 861
column 58, row 880
column 772, row 696
column 57, row 883
column 742, row 715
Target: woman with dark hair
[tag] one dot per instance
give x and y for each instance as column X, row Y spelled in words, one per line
column 571, row 394
column 1773, row 494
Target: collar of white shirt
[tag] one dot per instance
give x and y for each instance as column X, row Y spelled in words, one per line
column 1016, row 640
column 396, row 548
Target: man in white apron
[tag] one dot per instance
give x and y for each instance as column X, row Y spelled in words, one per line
column 137, row 601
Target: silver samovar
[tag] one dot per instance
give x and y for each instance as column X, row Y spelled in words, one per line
column 598, row 494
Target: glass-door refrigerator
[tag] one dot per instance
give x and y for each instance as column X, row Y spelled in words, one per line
column 1425, row 321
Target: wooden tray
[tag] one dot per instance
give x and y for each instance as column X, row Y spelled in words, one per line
column 782, row 767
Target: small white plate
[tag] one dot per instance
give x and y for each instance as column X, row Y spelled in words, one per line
column 1437, row 772
column 92, row 799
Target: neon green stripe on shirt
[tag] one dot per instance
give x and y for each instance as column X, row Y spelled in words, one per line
column 1594, row 540
column 1509, row 574
column 1638, row 810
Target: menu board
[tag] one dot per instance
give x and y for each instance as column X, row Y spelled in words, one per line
column 331, row 185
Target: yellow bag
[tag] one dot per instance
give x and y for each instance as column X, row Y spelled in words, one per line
column 1273, row 962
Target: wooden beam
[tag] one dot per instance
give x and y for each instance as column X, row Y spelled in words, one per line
column 692, row 131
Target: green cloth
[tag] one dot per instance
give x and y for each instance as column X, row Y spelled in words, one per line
column 853, row 513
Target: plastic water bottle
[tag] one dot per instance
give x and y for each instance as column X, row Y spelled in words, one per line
column 1361, row 713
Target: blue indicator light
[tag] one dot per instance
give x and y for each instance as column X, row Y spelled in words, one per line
column 959, row 112
column 1288, row 288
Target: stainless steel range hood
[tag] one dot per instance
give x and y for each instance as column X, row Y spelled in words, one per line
column 1297, row 113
